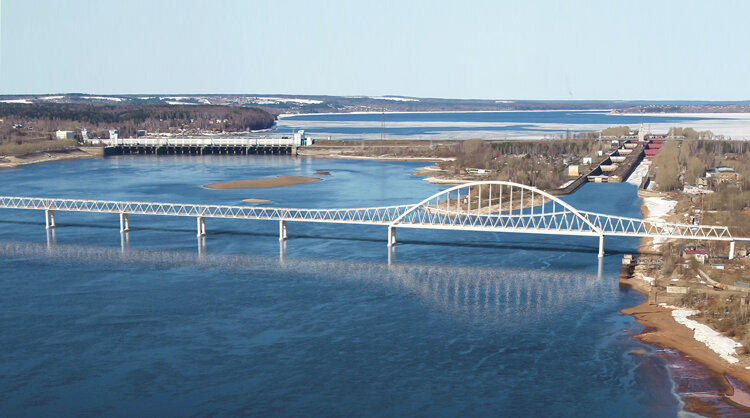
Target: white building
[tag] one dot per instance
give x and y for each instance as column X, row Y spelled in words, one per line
column 113, row 134
column 300, row 139
column 65, row 134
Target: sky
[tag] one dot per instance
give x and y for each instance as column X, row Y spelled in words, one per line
column 534, row 49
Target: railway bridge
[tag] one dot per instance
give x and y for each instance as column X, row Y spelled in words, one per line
column 485, row 206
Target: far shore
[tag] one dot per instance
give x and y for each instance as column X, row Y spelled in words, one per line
column 279, row 181
column 378, row 158
column 289, row 115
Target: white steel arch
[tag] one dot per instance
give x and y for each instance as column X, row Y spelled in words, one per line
column 499, row 195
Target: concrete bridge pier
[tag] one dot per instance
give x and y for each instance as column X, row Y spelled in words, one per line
column 124, row 222
column 731, row 250
column 391, row 236
column 49, row 218
column 201, row 226
column 601, row 246
column 282, row 231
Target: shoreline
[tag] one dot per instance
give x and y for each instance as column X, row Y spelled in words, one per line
column 262, row 183
column 380, row 158
column 663, row 331
column 13, row 161
column 405, row 112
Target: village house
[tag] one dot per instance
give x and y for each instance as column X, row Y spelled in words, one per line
column 723, row 174
column 700, row 255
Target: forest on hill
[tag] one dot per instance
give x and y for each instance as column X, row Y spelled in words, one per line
column 44, row 118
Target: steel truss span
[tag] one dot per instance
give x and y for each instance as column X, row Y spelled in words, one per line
column 493, row 206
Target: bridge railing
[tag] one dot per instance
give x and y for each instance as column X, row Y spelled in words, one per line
column 375, row 215
column 623, row 226
column 480, row 206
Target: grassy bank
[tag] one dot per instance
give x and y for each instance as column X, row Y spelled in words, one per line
column 15, row 148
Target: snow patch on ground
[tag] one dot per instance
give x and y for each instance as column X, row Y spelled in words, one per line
column 22, row 101
column 721, row 345
column 114, row 99
column 658, row 209
column 51, row 97
column 180, row 103
column 394, row 98
column 639, row 173
column 566, row 184
column 277, row 100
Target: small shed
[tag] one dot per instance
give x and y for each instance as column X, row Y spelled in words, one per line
column 700, row 255
column 65, row 134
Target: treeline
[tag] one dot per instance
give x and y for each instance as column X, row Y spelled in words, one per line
column 129, row 118
column 690, row 133
column 616, row 131
column 541, row 164
column 572, row 147
column 683, row 162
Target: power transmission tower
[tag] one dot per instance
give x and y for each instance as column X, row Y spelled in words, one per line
column 382, row 125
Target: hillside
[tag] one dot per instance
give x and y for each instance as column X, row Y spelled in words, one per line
column 42, row 119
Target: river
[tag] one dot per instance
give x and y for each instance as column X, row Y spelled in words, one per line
column 458, row 323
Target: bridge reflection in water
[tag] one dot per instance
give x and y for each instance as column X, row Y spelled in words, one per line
column 489, row 294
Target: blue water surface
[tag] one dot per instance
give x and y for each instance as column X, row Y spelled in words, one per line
column 457, row 324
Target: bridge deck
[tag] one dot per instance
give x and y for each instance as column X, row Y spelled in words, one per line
column 374, row 215
column 491, row 206
column 553, row 222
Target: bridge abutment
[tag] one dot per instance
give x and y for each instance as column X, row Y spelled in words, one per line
column 601, row 246
column 731, row 250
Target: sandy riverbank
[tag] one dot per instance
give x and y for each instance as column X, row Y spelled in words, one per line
column 43, row 157
column 279, row 181
column 252, row 200
column 663, row 329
